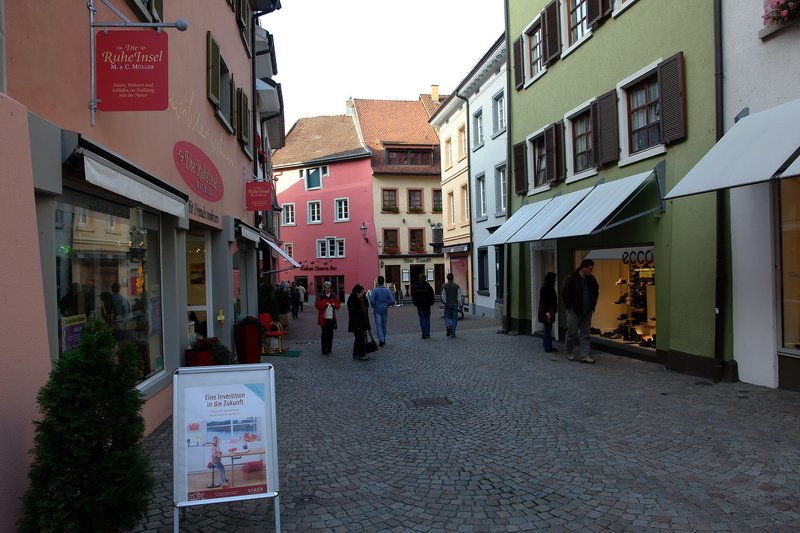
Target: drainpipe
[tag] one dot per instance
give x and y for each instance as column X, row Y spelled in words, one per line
column 720, row 370
column 506, row 324
column 469, row 194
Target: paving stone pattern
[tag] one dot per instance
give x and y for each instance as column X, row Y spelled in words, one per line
column 515, row 440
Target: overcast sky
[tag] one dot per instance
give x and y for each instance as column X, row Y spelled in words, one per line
column 329, row 50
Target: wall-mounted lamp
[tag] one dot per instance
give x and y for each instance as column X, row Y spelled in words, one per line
column 363, row 229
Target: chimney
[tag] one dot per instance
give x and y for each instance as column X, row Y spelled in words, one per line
column 435, row 93
column 349, row 106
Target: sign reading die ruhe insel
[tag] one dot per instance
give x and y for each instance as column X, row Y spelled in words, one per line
column 132, row 70
column 258, row 195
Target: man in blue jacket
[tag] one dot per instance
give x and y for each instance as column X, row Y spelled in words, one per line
column 381, row 299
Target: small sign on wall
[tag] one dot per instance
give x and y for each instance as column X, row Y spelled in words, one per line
column 258, row 195
column 132, row 70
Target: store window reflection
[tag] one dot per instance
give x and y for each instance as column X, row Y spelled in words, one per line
column 108, row 269
column 197, row 283
column 790, row 259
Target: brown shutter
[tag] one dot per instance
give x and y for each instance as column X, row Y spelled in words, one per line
column 672, row 90
column 605, row 129
column 520, row 168
column 597, row 11
column 551, row 35
column 519, row 67
column 554, row 152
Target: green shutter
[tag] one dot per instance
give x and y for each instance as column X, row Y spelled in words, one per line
column 212, row 49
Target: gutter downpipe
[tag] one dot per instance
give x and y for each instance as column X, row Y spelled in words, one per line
column 469, row 194
column 721, row 370
column 506, row 323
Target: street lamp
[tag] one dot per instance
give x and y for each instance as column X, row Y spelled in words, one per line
column 363, row 229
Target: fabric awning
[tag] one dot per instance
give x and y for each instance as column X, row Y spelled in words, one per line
column 597, row 209
column 757, row 148
column 280, row 252
column 513, row 224
column 103, row 173
column 537, row 227
column 248, row 232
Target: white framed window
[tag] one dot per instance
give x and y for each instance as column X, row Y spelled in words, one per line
column 465, row 203
column 341, row 209
column 314, row 212
column 500, row 190
column 288, row 215
column 289, row 249
column 451, row 205
column 313, row 177
column 499, row 112
column 477, row 129
column 480, row 196
column 580, row 158
column 330, row 247
column 448, row 153
column 462, row 142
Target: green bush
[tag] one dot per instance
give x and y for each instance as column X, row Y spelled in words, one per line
column 89, row 471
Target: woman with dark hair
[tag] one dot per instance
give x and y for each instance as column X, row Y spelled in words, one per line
column 357, row 306
column 548, row 307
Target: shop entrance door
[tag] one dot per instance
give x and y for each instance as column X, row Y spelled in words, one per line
column 544, row 261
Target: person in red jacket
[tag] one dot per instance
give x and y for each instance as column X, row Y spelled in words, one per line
column 327, row 302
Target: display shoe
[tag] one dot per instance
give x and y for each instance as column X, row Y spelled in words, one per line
column 594, row 331
column 646, row 343
column 622, row 299
column 621, row 281
column 652, row 319
column 623, row 316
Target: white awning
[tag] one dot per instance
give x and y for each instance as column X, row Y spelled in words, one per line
column 754, row 150
column 280, row 252
column 599, row 206
column 513, row 224
column 536, row 228
column 105, row 174
column 248, row 232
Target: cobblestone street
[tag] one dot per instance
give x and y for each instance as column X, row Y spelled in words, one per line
column 486, row 432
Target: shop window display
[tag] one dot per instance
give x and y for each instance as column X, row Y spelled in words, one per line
column 626, row 310
column 108, row 269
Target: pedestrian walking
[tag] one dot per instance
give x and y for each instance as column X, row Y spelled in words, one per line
column 327, row 302
column 381, row 299
column 358, row 324
column 580, row 295
column 422, row 297
column 548, row 307
column 295, row 298
column 301, row 294
column 451, row 298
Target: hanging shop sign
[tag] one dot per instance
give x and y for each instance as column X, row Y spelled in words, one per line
column 132, row 71
column 258, row 195
column 198, row 171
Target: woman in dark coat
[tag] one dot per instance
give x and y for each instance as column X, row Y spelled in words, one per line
column 548, row 307
column 358, row 325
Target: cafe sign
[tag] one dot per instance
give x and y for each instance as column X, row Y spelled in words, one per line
column 131, row 70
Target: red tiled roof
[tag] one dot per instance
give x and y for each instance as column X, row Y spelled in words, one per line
column 396, row 122
column 320, row 139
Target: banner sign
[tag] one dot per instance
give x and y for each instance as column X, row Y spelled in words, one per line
column 258, row 195
column 224, row 434
column 198, row 171
column 132, row 71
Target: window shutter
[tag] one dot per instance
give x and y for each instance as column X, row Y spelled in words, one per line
column 234, row 104
column 519, row 67
column 520, row 168
column 212, row 79
column 605, row 129
column 243, row 117
column 597, row 11
column 157, row 10
column 554, row 152
column 672, row 90
column 551, row 35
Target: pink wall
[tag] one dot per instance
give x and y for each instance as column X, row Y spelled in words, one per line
column 348, row 179
column 61, row 49
column 26, row 359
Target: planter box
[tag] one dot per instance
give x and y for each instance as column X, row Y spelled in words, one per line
column 195, row 358
column 248, row 343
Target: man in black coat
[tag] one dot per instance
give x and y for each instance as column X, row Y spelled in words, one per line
column 422, row 298
column 580, row 298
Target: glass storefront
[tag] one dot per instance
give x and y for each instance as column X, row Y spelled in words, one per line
column 198, row 284
column 790, row 259
column 108, row 268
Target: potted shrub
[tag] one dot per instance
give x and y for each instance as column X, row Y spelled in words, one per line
column 416, row 210
column 89, row 471
column 247, row 334
column 207, row 351
column 390, row 209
